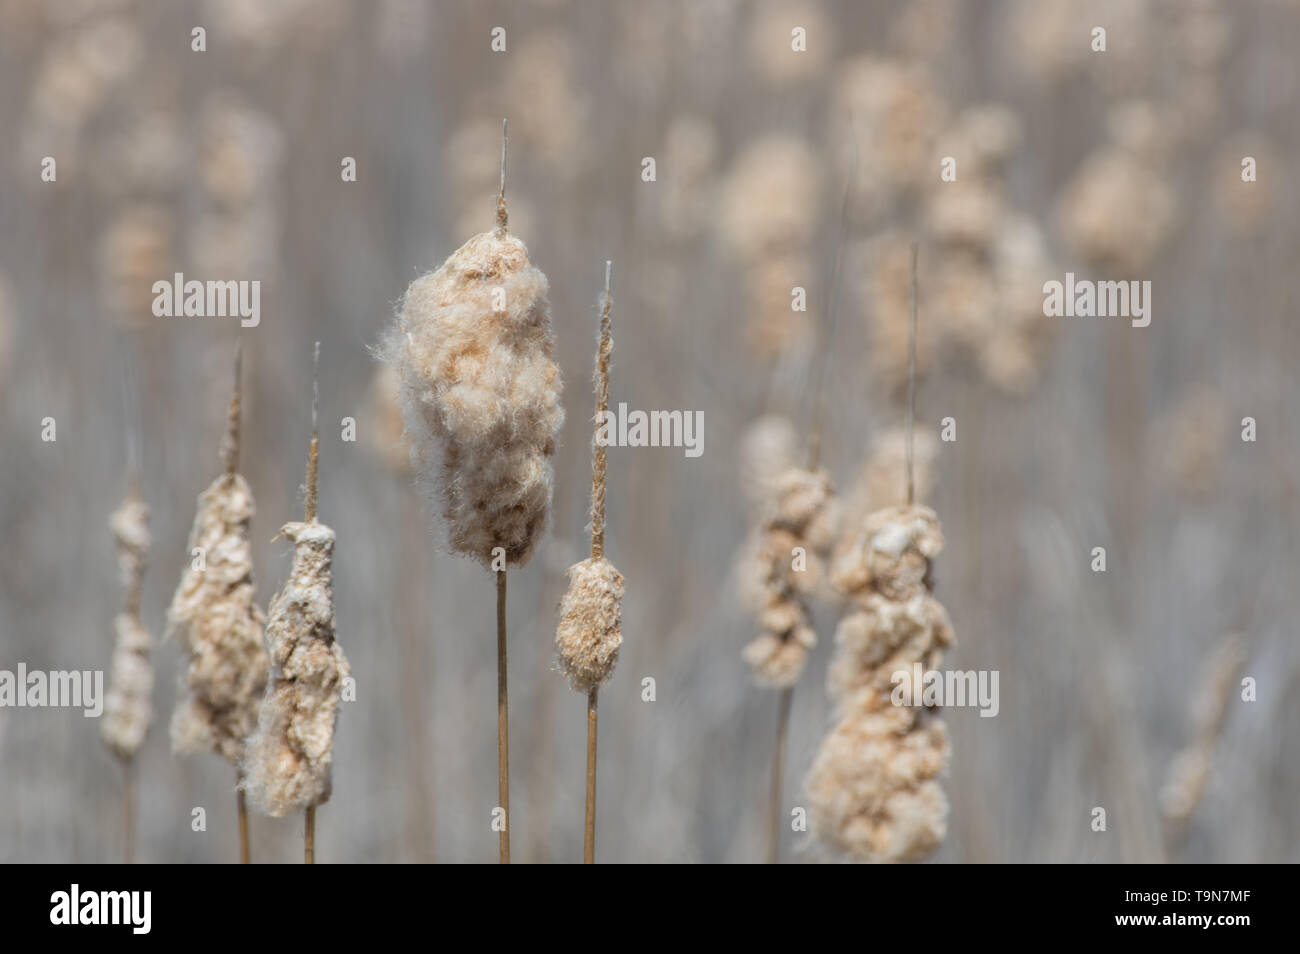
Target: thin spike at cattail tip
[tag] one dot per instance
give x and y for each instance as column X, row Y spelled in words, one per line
column 911, row 383
column 502, row 217
column 230, row 445
column 309, row 507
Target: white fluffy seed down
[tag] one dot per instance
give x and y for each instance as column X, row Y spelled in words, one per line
column 590, row 629
column 873, row 787
column 287, row 764
column 221, row 627
column 481, row 393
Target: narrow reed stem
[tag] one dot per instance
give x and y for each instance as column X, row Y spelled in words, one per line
column 598, row 472
column 818, row 382
column 589, row 840
column 309, row 836
column 128, row 810
column 309, row 515
column 245, row 856
column 911, row 384
column 503, row 720
column 777, row 816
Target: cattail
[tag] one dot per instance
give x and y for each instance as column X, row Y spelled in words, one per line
column 1189, row 774
column 127, row 710
column 220, row 624
column 873, row 786
column 481, row 396
column 288, row 760
column 481, row 393
column 800, row 517
column 128, row 707
column 590, row 629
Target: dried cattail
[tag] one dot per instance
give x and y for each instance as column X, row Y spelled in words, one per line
column 220, row 624
column 1117, row 211
column 770, row 198
column 590, row 631
column 127, row 706
column 473, row 345
column 287, row 764
column 873, row 786
column 481, row 392
column 800, row 517
column 1189, row 774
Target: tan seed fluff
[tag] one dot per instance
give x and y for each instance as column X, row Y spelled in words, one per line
column 287, row 765
column 481, row 393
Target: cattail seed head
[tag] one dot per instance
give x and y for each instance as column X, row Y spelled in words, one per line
column 127, row 705
column 590, row 629
column 288, row 758
column 800, row 515
column 221, row 627
column 480, row 390
column 873, row 788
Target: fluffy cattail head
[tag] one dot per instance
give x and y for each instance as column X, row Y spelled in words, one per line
column 892, row 554
column 481, row 392
column 127, row 706
column 288, row 760
column 590, row 629
column 874, row 789
column 221, row 627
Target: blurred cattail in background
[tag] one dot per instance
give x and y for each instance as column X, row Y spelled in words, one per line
column 873, row 787
column 219, row 622
column 128, row 706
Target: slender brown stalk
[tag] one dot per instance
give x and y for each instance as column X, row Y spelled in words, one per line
column 503, row 720
column 309, row 512
column 598, row 467
column 128, row 810
column 778, row 776
column 589, row 838
column 911, row 384
column 245, row 856
column 309, row 836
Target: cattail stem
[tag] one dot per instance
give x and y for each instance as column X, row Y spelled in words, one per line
column 603, row 352
column 831, row 320
column 309, row 836
column 503, row 720
column 778, row 776
column 911, row 383
column 589, row 839
column 309, row 515
column 128, row 810
column 245, row 856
